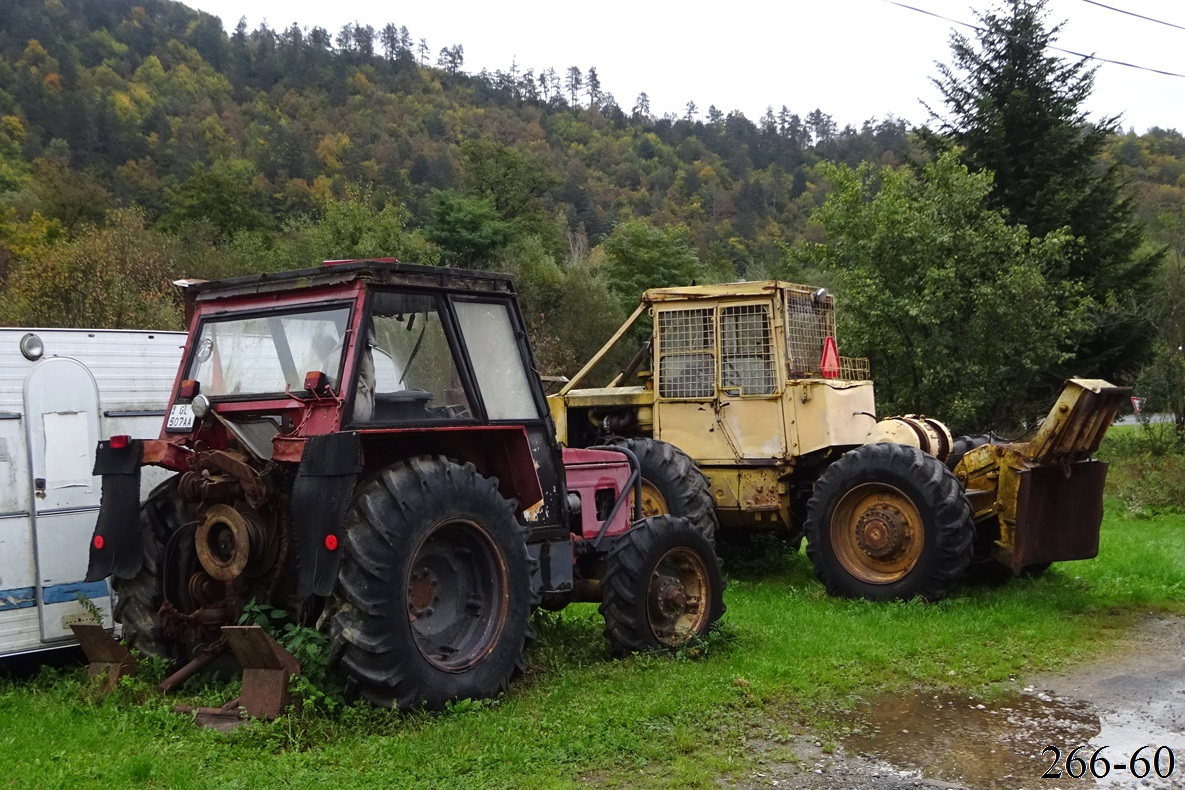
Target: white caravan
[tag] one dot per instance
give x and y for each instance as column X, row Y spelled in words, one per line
column 61, row 391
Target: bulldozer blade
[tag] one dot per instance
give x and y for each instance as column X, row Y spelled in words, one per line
column 108, row 659
column 1058, row 515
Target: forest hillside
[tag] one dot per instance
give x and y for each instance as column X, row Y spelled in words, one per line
column 139, row 142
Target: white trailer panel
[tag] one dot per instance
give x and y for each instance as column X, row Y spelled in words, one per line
column 86, row 385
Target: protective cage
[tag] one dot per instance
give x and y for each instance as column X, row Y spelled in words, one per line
column 810, row 320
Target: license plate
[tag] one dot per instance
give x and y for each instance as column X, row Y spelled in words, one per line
column 180, row 418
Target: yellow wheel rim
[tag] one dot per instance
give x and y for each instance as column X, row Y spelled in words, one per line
column 653, row 502
column 877, row 533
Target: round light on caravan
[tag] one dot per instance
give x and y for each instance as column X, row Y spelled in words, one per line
column 32, row 347
column 200, row 406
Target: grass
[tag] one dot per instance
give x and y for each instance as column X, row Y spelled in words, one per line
column 789, row 658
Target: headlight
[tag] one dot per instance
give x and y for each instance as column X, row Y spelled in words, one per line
column 200, row 406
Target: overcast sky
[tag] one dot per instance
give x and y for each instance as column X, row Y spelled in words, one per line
column 854, row 59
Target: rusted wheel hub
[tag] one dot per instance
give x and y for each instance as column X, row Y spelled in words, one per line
column 677, row 591
column 422, row 592
column 882, row 532
column 877, row 533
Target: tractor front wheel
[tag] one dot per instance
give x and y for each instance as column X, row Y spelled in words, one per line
column 662, row 586
column 889, row 522
column 433, row 599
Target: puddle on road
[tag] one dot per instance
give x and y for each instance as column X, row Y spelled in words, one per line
column 999, row 745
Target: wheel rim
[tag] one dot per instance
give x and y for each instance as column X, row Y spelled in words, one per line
column 677, row 596
column 653, row 502
column 877, row 533
column 457, row 595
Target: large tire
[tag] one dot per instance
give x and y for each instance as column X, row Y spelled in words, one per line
column 662, row 586
column 889, row 522
column 138, row 599
column 672, row 483
column 433, row 599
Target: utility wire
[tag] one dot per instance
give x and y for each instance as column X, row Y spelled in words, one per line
column 1132, row 13
column 1050, row 46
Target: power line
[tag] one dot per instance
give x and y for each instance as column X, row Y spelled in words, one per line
column 1132, row 13
column 1049, row 46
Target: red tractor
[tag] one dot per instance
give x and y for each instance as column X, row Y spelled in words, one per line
column 367, row 446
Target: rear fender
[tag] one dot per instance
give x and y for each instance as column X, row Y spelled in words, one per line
column 321, row 494
column 116, row 546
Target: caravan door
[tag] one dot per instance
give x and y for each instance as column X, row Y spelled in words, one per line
column 62, row 427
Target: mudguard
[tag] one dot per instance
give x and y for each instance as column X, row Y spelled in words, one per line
column 321, row 495
column 116, row 548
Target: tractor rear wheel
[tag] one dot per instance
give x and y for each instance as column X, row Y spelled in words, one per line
column 433, row 599
column 662, row 586
column 672, row 483
column 138, row 599
column 889, row 522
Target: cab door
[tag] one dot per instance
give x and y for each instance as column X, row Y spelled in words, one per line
column 62, row 430
column 719, row 389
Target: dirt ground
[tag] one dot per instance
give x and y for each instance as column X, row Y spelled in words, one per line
column 1132, row 698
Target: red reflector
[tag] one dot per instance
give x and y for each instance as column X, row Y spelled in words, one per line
column 331, row 542
column 119, row 441
column 98, row 541
column 189, row 389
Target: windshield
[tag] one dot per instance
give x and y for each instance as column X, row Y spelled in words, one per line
column 268, row 353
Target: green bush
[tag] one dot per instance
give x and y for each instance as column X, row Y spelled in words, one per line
column 1147, row 472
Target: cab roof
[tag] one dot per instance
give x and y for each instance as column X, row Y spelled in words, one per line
column 376, row 271
column 723, row 291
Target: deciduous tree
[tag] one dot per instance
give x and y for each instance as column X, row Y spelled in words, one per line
column 1016, row 109
column 951, row 304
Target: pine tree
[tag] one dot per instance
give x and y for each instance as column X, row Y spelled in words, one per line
column 1016, row 110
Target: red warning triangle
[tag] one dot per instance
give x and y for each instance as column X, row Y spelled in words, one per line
column 830, row 363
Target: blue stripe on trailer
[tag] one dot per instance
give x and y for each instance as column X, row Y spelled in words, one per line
column 19, row 598
column 64, row 593
column 25, row 597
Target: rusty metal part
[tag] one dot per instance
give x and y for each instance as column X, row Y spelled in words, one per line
column 204, row 487
column 212, row 604
column 222, row 719
column 882, row 531
column 422, row 592
column 676, row 596
column 877, row 533
column 267, row 670
column 200, row 661
column 232, row 542
column 108, row 659
column 255, row 490
column 1054, row 513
